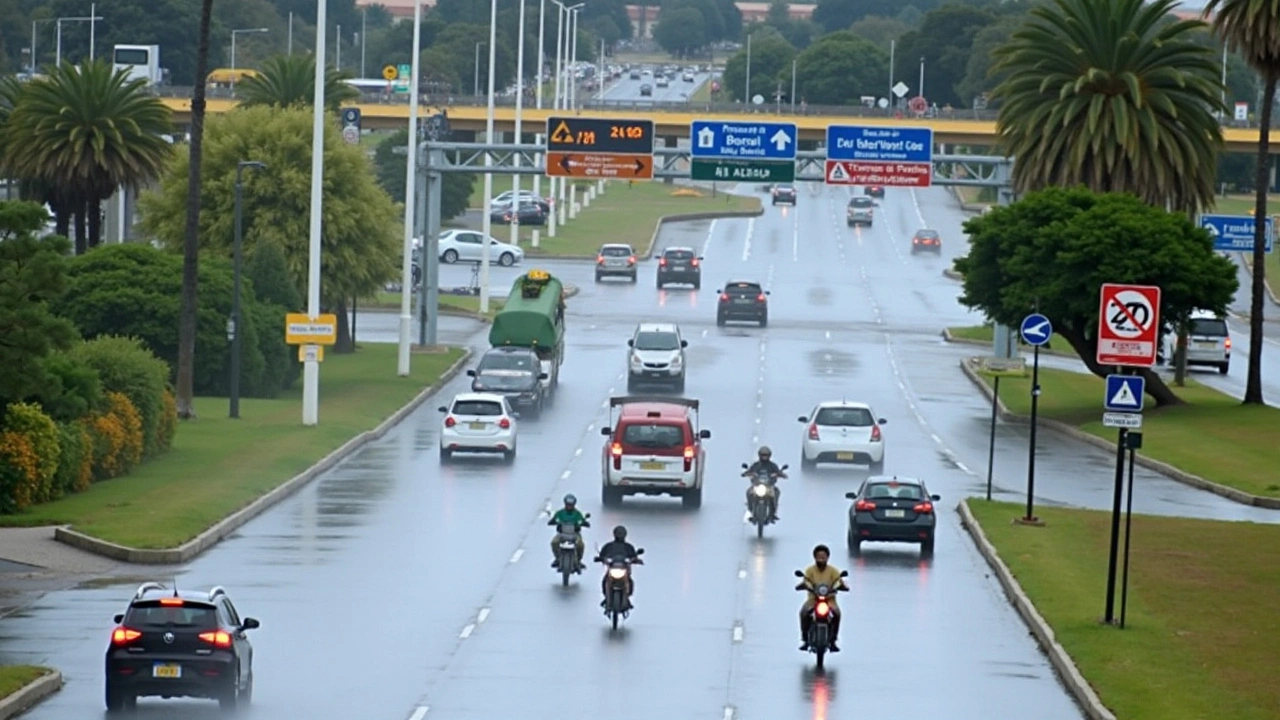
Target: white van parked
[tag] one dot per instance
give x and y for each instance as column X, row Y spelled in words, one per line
column 1208, row 341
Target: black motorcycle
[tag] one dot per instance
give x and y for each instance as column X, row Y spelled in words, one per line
column 617, row 592
column 567, row 550
column 819, row 639
column 761, row 504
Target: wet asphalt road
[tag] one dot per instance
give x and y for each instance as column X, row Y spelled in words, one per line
column 393, row 584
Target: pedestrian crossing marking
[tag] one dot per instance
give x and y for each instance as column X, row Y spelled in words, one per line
column 562, row 134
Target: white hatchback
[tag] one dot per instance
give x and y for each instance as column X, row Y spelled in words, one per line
column 478, row 423
column 467, row 246
column 845, row 432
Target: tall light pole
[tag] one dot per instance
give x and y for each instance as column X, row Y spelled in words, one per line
column 542, row 63
column 290, row 50
column 488, row 163
column 57, row 60
column 233, row 42
column 893, row 47
column 573, row 62
column 921, row 93
column 476, row 85
column 311, row 368
column 93, row 28
column 234, row 327
column 410, row 206
column 515, row 158
column 793, row 87
column 35, row 65
column 747, row 99
column 557, row 185
column 364, row 32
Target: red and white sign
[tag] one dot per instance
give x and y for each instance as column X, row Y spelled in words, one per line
column 1128, row 325
column 893, row 174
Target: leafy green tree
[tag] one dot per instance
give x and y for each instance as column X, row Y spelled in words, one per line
column 1252, row 28
column 681, row 30
column 286, row 81
column 978, row 77
column 771, row 55
column 268, row 270
column 1114, row 96
column 836, row 15
column 87, row 130
column 945, row 41
column 456, row 188
column 880, row 30
column 839, row 68
column 713, row 19
column 1053, row 249
column 171, row 24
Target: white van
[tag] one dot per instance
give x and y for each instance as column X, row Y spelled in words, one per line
column 1209, row 341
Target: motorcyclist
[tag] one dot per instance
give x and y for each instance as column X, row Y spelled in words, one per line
column 820, row 573
column 765, row 464
column 618, row 548
column 568, row 515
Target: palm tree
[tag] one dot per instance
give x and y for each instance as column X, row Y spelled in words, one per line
column 184, row 394
column 1113, row 95
column 88, row 130
column 289, row 81
column 1252, row 28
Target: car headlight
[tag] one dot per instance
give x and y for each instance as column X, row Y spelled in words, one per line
column 636, row 362
column 760, row 490
column 677, row 361
column 617, row 573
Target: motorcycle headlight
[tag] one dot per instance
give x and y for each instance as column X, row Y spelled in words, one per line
column 617, row 573
column 761, row 490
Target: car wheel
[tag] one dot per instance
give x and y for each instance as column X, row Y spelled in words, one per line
column 692, row 498
column 926, row 547
column 508, row 456
column 720, row 320
column 659, row 284
column 764, row 321
column 1224, row 368
column 633, row 277
column 507, row 260
column 697, row 284
column 610, row 497
column 598, row 276
column 450, row 256
column 855, row 544
column 229, row 699
column 445, row 455
column 118, row 700
column 878, row 466
column 246, row 695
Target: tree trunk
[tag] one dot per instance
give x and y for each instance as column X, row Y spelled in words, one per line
column 82, row 245
column 1262, row 181
column 1088, row 352
column 95, row 222
column 345, row 342
column 191, row 238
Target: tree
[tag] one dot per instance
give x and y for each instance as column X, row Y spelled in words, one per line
column 945, row 41
column 681, row 30
column 33, row 275
column 880, row 30
column 1252, row 28
column 1053, row 249
column 713, row 19
column 839, row 68
column 456, row 188
column 289, row 81
column 361, row 244
column 171, row 24
column 771, row 54
column 978, row 78
column 836, row 15
column 1114, row 96
column 87, row 130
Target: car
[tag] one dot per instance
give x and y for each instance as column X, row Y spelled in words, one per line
column 514, row 373
column 688, row 77
column 840, row 431
column 784, row 194
column 861, row 211
column 646, row 90
column 743, row 301
column 875, row 191
column 478, row 422
column 926, row 241
column 502, row 201
column 180, row 643
column 635, row 75
column 679, row 265
column 663, row 81
column 1208, row 339
column 465, row 246
column 892, row 509
column 654, row 447
column 614, row 260
column 656, row 356
column 530, row 213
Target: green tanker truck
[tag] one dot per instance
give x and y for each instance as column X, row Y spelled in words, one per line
column 533, row 317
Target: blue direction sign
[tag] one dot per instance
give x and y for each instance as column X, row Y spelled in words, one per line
column 880, row 144
column 1234, row 233
column 1124, row 393
column 1036, row 330
column 743, row 140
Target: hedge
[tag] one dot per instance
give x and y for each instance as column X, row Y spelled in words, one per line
column 28, row 457
column 75, row 458
column 118, row 440
column 126, row 366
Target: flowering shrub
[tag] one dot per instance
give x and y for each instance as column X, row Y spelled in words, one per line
column 119, row 440
column 108, row 437
column 168, row 422
column 19, row 471
column 75, row 459
column 29, row 420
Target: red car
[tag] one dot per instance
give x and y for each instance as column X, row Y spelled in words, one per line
column 875, row 191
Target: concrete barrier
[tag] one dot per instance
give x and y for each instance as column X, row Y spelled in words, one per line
column 30, row 695
column 207, row 539
column 1163, row 468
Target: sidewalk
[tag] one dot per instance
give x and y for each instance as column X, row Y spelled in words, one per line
column 33, row 563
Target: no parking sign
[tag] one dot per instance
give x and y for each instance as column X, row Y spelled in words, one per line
column 351, row 125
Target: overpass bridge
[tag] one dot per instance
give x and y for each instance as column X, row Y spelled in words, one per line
column 671, row 121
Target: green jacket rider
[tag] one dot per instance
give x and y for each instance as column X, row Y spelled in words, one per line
column 568, row 515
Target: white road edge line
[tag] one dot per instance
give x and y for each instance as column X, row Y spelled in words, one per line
column 466, row 631
column 728, row 713
column 737, row 633
column 577, row 452
column 482, row 615
column 515, row 556
column 421, row 712
column 565, row 475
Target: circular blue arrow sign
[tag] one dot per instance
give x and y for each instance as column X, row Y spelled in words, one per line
column 1036, row 330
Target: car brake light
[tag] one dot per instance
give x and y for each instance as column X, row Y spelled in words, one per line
column 123, row 635
column 504, row 423
column 688, row 458
column 662, row 261
column 875, row 433
column 599, row 259
column 724, row 297
column 864, row 506
column 171, row 602
column 694, row 263
column 217, row 638
column 631, row 260
column 823, row 609
column 450, row 422
column 760, row 297
column 813, row 431
column 616, row 451
column 1227, row 343
column 924, row 508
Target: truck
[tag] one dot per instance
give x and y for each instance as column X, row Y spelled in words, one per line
column 142, row 62
column 533, row 317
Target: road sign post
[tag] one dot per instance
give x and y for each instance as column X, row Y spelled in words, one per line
column 1235, row 233
column 1134, row 444
column 601, row 149
column 900, row 157
column 1036, row 330
column 996, row 368
column 747, row 152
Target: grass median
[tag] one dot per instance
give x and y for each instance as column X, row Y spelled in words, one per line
column 217, row 465
column 1200, row 629
column 1212, row 436
column 15, row 677
column 986, row 334
column 460, row 303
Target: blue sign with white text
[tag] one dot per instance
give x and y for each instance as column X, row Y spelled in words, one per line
column 1234, row 233
column 880, row 144
column 1036, row 330
column 743, row 140
column 1124, row 393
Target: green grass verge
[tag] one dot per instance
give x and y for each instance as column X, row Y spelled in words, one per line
column 702, row 94
column 1239, row 204
column 986, row 334
column 1200, row 632
column 217, row 465
column 1212, row 435
column 14, row 677
column 466, row 303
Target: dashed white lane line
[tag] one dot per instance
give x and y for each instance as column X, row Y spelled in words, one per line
column 828, row 334
column 746, row 245
column 704, row 333
column 515, row 556
column 565, row 475
column 706, row 244
column 548, row 508
column 795, row 240
column 742, row 574
column 466, row 631
column 738, row 632
column 482, row 615
column 578, row 452
column 728, row 712
column 421, row 712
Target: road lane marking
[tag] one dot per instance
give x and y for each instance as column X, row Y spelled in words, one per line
column 963, row 467
column 515, row 556
column 828, row 334
column 711, row 231
column 565, row 475
column 704, row 333
column 737, row 633
column 742, row 574
column 578, row 452
column 935, row 437
column 421, row 712
column 746, row 246
column 728, row 713
column 795, row 240
column 482, row 615
column 591, row 427
column 755, row 439
column 466, row 631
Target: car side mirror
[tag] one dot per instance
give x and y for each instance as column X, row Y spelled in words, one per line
column 250, row 624
column 803, row 419
column 882, row 421
column 844, row 573
column 768, row 292
column 719, row 291
column 746, row 466
column 471, row 373
column 631, row 343
column 443, row 409
column 119, row 618
column 935, row 498
column 799, row 574
column 639, row 552
column 606, row 431
column 515, row 415
column 543, row 376
column 704, row 434
column 700, row 258
column 851, row 495
column 784, row 467
column 684, row 343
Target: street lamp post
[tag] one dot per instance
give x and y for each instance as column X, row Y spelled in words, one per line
column 488, row 163
column 573, row 61
column 411, row 207
column 337, row 47
column 542, row 63
column 476, row 85
column 747, row 99
column 233, row 42
column 515, row 158
column 921, row 92
column 35, row 64
column 793, row 87
column 311, row 367
column 364, row 31
column 57, row 60
column 234, row 327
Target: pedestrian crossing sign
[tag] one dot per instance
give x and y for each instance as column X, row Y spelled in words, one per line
column 837, row 174
column 1124, row 393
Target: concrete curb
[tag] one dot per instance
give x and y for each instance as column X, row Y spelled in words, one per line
column 1163, row 468
column 1062, row 663
column 950, row 274
column 948, row 337
column 30, row 695
column 231, row 523
column 1248, row 263
column 657, row 229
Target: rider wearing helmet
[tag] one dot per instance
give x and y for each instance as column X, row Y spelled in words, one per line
column 568, row 515
column 766, row 464
column 621, row 549
column 820, row 573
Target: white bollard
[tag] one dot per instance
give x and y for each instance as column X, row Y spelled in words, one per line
column 534, row 237
column 600, row 187
column 586, row 199
column 573, row 202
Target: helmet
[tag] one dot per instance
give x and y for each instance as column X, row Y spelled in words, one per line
column 765, row 451
column 570, row 500
column 620, row 533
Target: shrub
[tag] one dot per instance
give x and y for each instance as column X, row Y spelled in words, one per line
column 117, row 438
column 75, row 459
column 72, row 390
column 168, row 421
column 19, row 469
column 126, row 366
column 131, row 451
column 280, row 368
column 30, row 421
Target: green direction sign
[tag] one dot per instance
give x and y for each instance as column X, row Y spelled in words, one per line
column 744, row 171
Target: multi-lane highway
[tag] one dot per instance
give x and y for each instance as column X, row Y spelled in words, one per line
column 394, row 584
column 627, row 91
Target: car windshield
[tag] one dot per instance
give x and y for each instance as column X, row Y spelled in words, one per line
column 926, row 233
column 483, row 408
column 657, row 341
column 893, row 491
column 503, row 380
column 153, row 614
column 508, row 361
column 786, row 188
column 678, row 255
column 1208, row 326
column 615, row 251
column 653, row 436
column 861, row 203
column 742, row 287
column 844, row 417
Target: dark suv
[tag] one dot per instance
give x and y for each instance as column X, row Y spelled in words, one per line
column 515, row 372
column 743, row 301
column 784, row 194
column 679, row 265
column 180, row 644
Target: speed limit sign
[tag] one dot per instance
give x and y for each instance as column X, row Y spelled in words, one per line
column 1128, row 325
column 351, row 134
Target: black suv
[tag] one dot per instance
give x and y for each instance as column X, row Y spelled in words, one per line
column 743, row 301
column 784, row 194
column 515, row 372
column 180, row 644
column 679, row 265
column 875, row 191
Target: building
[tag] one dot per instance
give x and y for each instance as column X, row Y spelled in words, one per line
column 643, row 18
column 398, row 9
column 753, row 12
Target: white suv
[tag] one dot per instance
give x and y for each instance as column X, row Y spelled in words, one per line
column 656, row 356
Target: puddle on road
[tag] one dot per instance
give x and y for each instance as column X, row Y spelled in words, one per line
column 832, row 363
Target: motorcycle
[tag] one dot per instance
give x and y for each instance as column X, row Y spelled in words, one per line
column 567, row 551
column 819, row 639
column 617, row 596
column 761, row 505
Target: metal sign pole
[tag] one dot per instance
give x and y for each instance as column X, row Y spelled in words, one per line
column 991, row 448
column 1135, row 442
column 431, row 245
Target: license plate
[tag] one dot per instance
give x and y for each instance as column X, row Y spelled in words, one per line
column 679, row 267
column 844, row 456
column 895, row 513
column 166, row 671
column 743, row 301
column 476, row 426
column 652, row 466
column 1209, row 345
column 568, row 546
